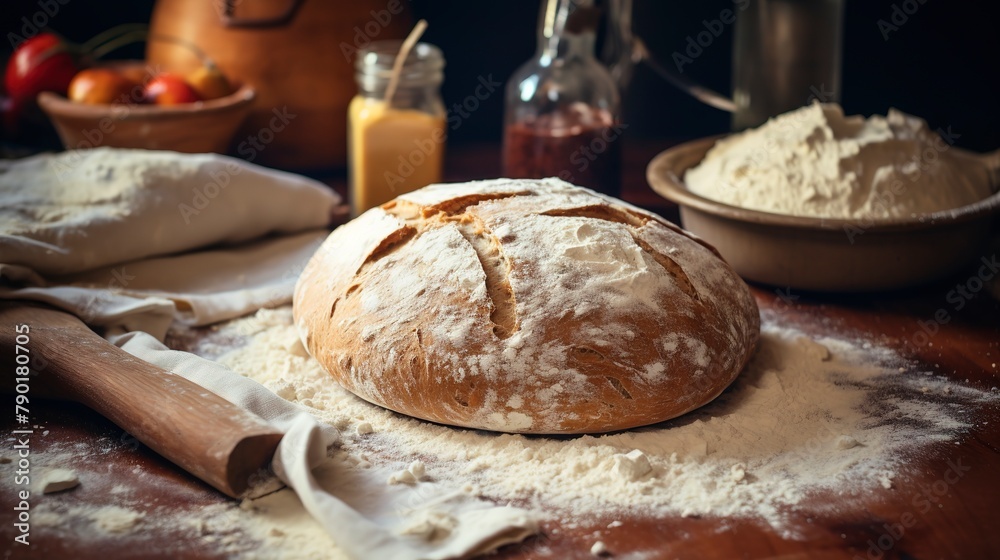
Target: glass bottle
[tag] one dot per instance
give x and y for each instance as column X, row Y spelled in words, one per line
column 561, row 115
column 398, row 147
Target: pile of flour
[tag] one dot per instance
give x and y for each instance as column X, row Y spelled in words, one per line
column 815, row 161
column 806, row 415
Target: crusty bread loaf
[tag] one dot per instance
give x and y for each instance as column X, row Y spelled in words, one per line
column 525, row 306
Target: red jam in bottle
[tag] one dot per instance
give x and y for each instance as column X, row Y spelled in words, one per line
column 579, row 145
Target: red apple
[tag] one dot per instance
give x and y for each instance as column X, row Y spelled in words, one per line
column 170, row 89
column 41, row 63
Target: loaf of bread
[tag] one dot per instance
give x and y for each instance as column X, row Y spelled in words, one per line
column 525, row 306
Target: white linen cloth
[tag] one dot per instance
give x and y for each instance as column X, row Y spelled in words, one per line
column 132, row 241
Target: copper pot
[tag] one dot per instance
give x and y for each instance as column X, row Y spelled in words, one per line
column 297, row 54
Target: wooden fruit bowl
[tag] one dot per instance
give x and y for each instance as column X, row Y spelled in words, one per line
column 204, row 126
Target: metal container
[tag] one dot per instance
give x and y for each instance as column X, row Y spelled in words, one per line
column 785, row 54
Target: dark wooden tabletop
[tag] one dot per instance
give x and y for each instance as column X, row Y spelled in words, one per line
column 962, row 525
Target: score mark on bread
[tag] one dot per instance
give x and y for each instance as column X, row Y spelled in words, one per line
column 418, row 219
column 525, row 306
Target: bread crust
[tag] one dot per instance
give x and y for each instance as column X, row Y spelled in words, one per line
column 527, row 307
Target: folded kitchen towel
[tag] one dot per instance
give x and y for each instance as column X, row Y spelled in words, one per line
column 111, row 235
column 76, row 211
column 473, row 526
column 198, row 288
column 132, row 241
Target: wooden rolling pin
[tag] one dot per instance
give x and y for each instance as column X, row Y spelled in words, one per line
column 201, row 432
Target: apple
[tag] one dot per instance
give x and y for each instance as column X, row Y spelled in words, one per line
column 210, row 83
column 170, row 89
column 101, row 85
column 42, row 63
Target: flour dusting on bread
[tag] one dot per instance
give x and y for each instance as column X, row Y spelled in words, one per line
column 525, row 306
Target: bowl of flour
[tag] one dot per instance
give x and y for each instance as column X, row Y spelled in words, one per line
column 817, row 200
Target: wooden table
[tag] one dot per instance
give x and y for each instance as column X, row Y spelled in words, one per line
column 960, row 525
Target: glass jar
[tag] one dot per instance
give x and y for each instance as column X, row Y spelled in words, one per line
column 398, row 147
column 562, row 107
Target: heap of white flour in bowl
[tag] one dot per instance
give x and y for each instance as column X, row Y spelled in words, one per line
column 807, row 416
column 816, row 162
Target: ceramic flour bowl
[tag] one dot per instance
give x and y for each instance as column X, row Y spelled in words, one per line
column 822, row 254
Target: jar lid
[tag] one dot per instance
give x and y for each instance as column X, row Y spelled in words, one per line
column 424, row 64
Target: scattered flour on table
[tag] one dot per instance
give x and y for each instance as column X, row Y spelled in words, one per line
column 114, row 519
column 129, row 510
column 275, row 526
column 807, row 416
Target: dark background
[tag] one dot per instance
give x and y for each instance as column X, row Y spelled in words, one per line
column 942, row 64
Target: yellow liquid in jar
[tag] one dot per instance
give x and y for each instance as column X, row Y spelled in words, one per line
column 393, row 151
